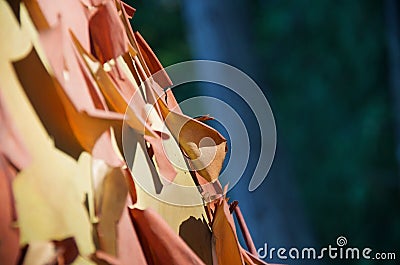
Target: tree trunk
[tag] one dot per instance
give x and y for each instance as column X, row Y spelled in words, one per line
column 393, row 55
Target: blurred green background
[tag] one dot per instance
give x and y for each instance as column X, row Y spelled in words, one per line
column 327, row 70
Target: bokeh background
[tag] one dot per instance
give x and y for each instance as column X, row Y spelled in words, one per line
column 331, row 73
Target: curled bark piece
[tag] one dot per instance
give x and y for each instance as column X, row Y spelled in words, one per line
column 110, row 201
column 152, row 62
column 202, row 144
column 226, row 244
column 129, row 10
column 160, row 244
column 107, row 33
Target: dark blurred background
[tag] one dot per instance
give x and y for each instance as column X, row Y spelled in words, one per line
column 330, row 70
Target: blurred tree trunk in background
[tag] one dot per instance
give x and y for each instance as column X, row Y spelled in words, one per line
column 393, row 55
column 222, row 31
